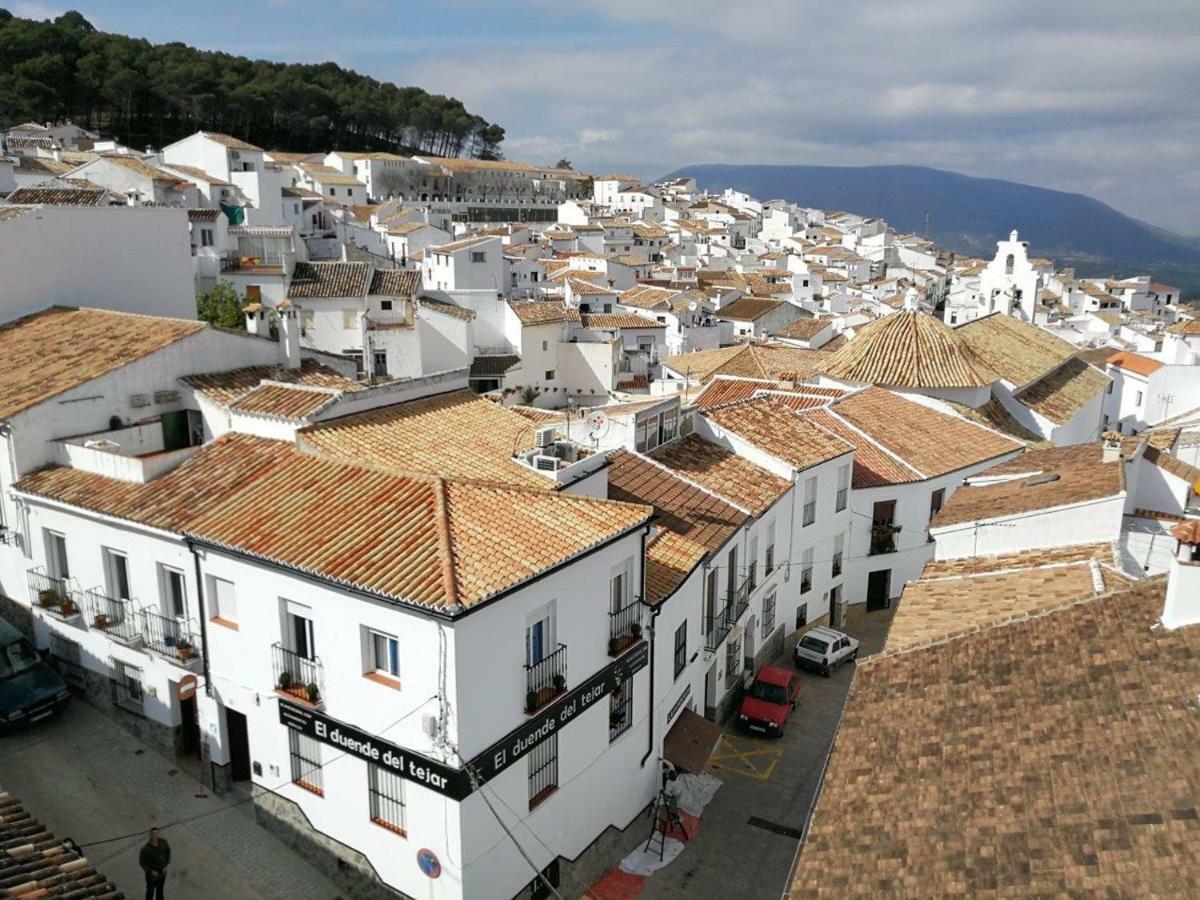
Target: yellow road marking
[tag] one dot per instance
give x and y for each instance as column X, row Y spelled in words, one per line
column 748, row 758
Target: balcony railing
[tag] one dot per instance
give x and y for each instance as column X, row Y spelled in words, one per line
column 883, row 538
column 836, row 569
column 624, row 628
column 51, row 594
column 168, row 637
column 296, row 676
column 234, row 261
column 717, row 626
column 546, row 679
column 739, row 600
column 115, row 617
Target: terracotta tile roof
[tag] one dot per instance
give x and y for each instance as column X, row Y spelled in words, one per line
column 931, row 442
column 993, row 414
column 618, row 320
column 780, row 431
column 720, row 391
column 767, row 361
column 51, row 196
column 42, row 164
column 749, row 309
column 1135, row 362
column 873, row 466
column 203, row 215
column 140, row 167
column 49, row 352
column 1188, row 532
column 1184, row 326
column 422, row 540
column 1082, row 476
column 588, row 288
column 733, row 477
column 680, row 506
column 1017, row 351
column 229, row 141
column 329, row 279
column 670, row 558
column 1105, row 553
column 937, row 609
column 455, row 246
column 447, row 309
column 1174, row 465
column 999, row 765
column 646, row 296
column 223, row 388
column 909, row 349
column 34, row 863
column 290, row 402
column 492, row 366
column 196, row 173
column 1060, row 395
column 395, row 282
column 543, row 312
column 171, row 501
column 804, row 328
column 323, row 174
column 456, row 434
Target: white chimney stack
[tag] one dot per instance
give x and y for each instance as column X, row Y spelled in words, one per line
column 288, row 325
column 1182, row 606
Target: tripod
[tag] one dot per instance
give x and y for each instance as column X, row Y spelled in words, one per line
column 665, row 816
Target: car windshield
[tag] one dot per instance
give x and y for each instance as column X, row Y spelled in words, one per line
column 17, row 657
column 770, row 693
column 808, row 642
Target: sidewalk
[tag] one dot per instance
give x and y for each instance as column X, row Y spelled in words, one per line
column 87, row 779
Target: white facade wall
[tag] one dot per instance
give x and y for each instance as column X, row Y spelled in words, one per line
column 1080, row 523
column 129, row 259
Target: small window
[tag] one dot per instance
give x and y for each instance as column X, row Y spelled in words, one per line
column 385, row 790
column 810, row 501
column 478, row 256
column 206, row 237
column 174, row 592
column 545, row 346
column 543, row 771
column 1138, row 401
column 222, row 601
column 935, row 502
column 768, row 616
column 385, row 305
column 125, row 682
column 332, row 192
column 350, row 319
column 549, row 374
column 383, row 654
column 620, row 710
column 305, row 753
column 680, row 648
column 806, row 572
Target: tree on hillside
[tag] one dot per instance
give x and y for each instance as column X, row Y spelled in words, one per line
column 221, row 306
column 563, row 164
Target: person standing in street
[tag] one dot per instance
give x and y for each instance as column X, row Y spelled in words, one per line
column 154, row 859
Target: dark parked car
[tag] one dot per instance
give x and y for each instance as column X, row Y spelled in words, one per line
column 30, row 690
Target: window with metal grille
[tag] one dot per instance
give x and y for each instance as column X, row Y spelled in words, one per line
column 768, row 620
column 733, row 662
column 305, row 755
column 806, row 572
column 385, row 790
column 64, row 654
column 810, row 501
column 543, row 770
column 126, row 683
column 770, row 558
column 843, row 488
column 680, row 648
column 620, row 710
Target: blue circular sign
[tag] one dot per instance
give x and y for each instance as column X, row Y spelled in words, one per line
column 427, row 861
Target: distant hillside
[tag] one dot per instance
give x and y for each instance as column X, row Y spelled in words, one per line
column 968, row 215
column 153, row 94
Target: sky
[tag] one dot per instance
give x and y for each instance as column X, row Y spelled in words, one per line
column 1101, row 97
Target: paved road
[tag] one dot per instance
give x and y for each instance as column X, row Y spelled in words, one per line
column 772, row 782
column 87, row 779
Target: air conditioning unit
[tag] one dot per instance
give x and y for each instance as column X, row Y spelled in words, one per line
column 544, row 437
column 138, row 400
column 545, row 463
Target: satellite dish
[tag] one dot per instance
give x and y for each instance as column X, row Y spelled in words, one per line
column 597, row 423
column 693, row 306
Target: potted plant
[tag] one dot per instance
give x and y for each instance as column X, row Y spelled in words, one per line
column 313, row 692
column 49, row 597
column 636, row 629
column 531, row 701
column 614, row 646
column 184, row 648
column 285, row 681
column 560, row 682
column 100, row 621
column 67, row 608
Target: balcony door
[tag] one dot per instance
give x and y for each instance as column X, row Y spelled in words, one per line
column 56, row 556
column 539, row 640
column 300, row 633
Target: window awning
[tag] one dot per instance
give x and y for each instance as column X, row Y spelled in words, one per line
column 690, row 741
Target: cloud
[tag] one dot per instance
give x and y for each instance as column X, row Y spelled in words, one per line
column 36, row 11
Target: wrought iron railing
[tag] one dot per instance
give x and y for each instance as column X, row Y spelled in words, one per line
column 168, row 637
column 296, row 675
column 717, row 626
column 883, row 539
column 546, row 679
column 111, row 615
column 49, row 592
column 624, row 628
column 739, row 600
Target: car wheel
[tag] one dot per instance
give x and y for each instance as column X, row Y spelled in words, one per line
column 827, row 671
column 854, row 655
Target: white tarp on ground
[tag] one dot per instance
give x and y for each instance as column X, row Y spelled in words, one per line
column 692, row 794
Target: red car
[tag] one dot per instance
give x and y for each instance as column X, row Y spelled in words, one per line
column 769, row 702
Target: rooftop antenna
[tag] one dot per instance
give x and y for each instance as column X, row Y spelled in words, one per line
column 928, row 220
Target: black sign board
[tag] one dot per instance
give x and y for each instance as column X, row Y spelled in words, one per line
column 447, row 780
column 430, row 773
column 506, row 751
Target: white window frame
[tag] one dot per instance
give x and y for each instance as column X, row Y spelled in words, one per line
column 165, row 574
column 110, row 556
column 217, row 607
column 373, row 635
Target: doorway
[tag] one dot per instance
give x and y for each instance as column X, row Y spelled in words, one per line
column 190, row 727
column 239, row 745
column 879, row 589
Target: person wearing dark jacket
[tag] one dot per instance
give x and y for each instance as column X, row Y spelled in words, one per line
column 154, row 859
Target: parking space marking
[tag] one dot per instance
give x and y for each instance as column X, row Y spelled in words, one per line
column 751, row 759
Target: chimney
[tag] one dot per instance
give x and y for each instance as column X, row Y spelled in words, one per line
column 911, row 301
column 288, row 325
column 1112, row 446
column 255, row 318
column 1182, row 606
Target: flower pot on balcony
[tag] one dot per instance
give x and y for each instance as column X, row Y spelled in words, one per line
column 285, row 681
column 636, row 630
column 531, row 701
column 184, row 650
column 560, row 682
column 67, row 608
column 49, row 597
column 614, row 646
column 313, row 692
column 100, row 621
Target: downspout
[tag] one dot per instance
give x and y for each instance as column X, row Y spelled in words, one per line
column 653, row 641
column 203, row 618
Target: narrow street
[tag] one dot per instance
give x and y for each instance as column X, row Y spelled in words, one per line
column 89, row 780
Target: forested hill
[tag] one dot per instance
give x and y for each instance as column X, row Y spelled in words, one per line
column 153, row 94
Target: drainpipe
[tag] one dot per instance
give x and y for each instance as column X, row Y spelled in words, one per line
column 653, row 640
column 203, row 619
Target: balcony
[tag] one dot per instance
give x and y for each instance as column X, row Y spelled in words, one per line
column 836, row 568
column 297, row 677
column 265, row 263
column 624, row 628
column 739, row 600
column 546, row 679
column 717, row 626
column 115, row 617
column 52, row 594
column 883, row 538
column 169, row 638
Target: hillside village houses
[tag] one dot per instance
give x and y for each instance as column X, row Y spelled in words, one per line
column 516, row 475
